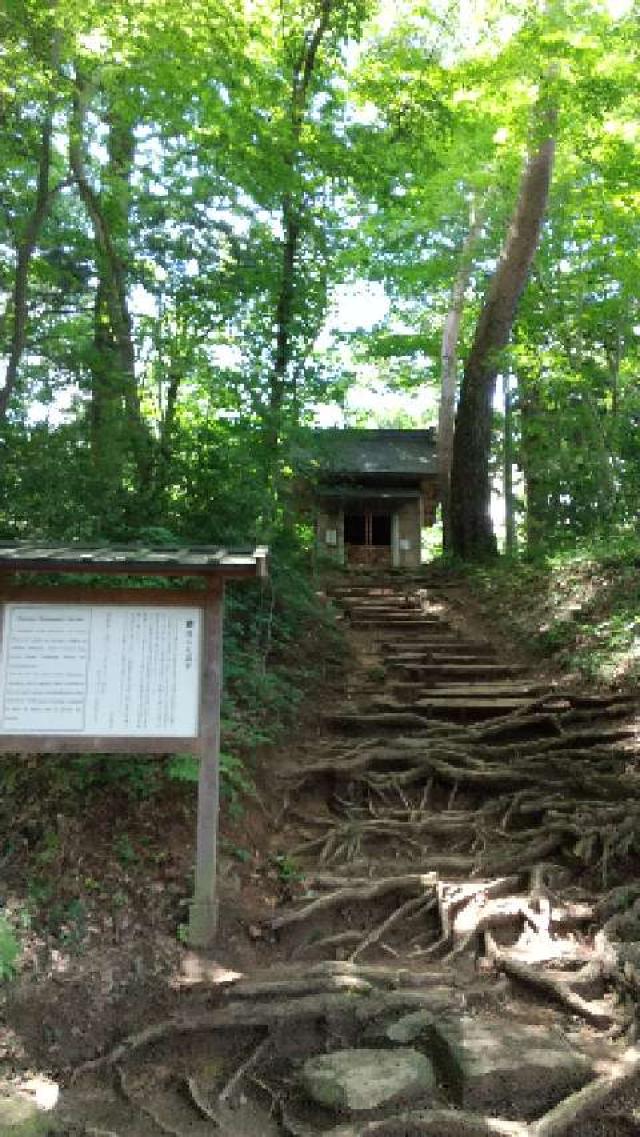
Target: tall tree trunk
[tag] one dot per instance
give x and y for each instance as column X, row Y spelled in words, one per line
column 173, row 365
column 509, row 500
column 535, row 494
column 284, row 321
column 292, row 211
column 17, row 313
column 449, row 374
column 116, row 415
column 472, row 531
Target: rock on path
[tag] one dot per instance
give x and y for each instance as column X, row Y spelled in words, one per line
column 350, row 1080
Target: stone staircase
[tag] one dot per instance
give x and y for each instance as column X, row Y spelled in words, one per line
column 428, row 667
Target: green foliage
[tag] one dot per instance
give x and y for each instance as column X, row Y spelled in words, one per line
column 88, row 774
column 157, row 419
column 236, row 783
column 124, row 850
column 578, row 607
column 279, row 641
column 9, row 950
column 289, row 872
column 183, row 768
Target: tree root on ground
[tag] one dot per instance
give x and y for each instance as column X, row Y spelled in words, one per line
column 581, row 1105
column 559, row 989
column 407, row 909
column 415, row 883
column 405, row 829
column 292, row 987
column 241, row 1014
column 144, row 1107
column 199, row 1100
column 243, row 1069
column 351, row 989
column 413, row 1123
column 339, row 940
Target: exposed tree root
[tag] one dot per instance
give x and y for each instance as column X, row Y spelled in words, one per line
column 146, row 1108
column 406, row 909
column 592, row 1097
column 242, row 1014
column 559, row 990
column 516, row 805
column 252, row 1060
column 404, row 828
column 414, row 1123
column 353, row 992
column 199, row 1100
column 414, row 883
column 292, row 987
column 340, row 939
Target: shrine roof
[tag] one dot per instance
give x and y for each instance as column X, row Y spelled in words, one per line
column 372, row 452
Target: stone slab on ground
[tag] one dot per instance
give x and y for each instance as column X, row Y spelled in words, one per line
column 505, row 1067
column 26, row 1105
column 20, row 1117
column 354, row 1080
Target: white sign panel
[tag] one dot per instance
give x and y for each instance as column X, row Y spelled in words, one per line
column 100, row 670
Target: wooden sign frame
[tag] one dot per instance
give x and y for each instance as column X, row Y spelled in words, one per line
column 205, row 745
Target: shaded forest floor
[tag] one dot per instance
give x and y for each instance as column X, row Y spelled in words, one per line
column 439, row 869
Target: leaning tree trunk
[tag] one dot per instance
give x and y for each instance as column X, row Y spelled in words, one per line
column 449, row 375
column 472, row 531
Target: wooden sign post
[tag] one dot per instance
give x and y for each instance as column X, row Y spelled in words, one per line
column 122, row 670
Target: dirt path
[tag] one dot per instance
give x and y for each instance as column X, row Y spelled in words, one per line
column 457, row 958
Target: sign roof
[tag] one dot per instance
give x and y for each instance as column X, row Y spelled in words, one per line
column 165, row 560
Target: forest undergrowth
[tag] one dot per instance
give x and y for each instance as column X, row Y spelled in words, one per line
column 577, row 609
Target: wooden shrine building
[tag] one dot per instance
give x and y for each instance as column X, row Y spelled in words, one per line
column 374, row 492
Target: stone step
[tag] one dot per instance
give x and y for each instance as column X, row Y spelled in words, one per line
column 448, row 653
column 348, row 721
column 444, row 659
column 441, row 671
column 393, row 600
column 379, row 611
column 454, row 708
column 408, row 692
column 399, row 615
column 447, row 641
column 412, row 624
column 347, row 595
column 376, row 587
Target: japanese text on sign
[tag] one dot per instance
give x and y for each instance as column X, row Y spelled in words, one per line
column 100, row 670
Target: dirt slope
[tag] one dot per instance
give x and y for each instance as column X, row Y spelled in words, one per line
column 454, row 843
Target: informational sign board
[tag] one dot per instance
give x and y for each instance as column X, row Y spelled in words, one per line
column 100, row 670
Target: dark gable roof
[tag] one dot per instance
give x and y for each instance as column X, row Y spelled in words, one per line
column 358, row 452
